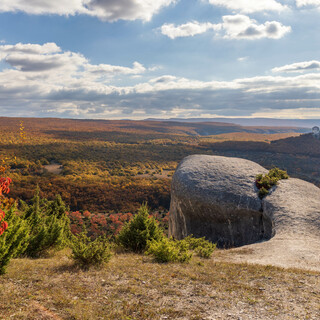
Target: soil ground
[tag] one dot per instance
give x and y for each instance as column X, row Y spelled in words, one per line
column 134, row 287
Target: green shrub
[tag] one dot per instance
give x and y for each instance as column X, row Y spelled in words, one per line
column 141, row 229
column 263, row 192
column 87, row 252
column 168, row 250
column 48, row 223
column 201, row 246
column 278, row 174
column 265, row 182
column 205, row 252
column 14, row 240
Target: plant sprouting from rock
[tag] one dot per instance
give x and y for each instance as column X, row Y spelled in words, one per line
column 265, row 182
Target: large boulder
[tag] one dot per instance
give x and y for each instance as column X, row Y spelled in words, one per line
column 216, row 197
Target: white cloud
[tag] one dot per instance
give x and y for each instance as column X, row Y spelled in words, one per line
column 46, row 67
column 49, row 47
column 113, row 10
column 305, row 3
column 313, row 65
column 242, row 27
column 110, row 10
column 241, row 59
column 61, row 7
column 47, row 57
column 187, row 29
column 232, row 27
column 249, row 6
column 66, row 84
column 110, row 69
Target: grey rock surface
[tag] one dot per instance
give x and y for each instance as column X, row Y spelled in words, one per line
column 216, row 197
column 294, row 207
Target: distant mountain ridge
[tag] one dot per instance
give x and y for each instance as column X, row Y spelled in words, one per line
column 303, row 123
column 189, row 127
column 305, row 144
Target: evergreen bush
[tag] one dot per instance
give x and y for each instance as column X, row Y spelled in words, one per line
column 87, row 252
column 201, row 246
column 14, row 240
column 142, row 228
column 49, row 225
column 168, row 250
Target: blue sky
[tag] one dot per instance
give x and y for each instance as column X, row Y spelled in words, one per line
column 134, row 59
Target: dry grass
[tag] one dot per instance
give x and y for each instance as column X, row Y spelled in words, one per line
column 133, row 287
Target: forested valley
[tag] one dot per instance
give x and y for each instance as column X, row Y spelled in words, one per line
column 114, row 166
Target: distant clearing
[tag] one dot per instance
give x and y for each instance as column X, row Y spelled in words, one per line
column 54, row 168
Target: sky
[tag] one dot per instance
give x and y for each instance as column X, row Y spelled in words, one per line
column 138, row 59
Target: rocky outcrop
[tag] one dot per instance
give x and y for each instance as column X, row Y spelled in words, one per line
column 294, row 207
column 216, row 197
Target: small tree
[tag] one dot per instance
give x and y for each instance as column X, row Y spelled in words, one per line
column 49, row 225
column 13, row 232
column 141, row 229
column 14, row 240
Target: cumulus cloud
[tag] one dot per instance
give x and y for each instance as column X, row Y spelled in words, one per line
column 305, row 3
column 61, row 7
column 232, row 27
column 242, row 27
column 113, row 10
column 48, row 57
column 49, row 47
column 35, row 63
column 250, row 6
column 110, row 69
column 110, row 10
column 66, row 84
column 313, row 65
column 187, row 29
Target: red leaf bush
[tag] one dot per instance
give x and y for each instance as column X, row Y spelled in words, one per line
column 4, row 188
column 104, row 224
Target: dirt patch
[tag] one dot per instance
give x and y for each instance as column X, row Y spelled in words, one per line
column 55, row 168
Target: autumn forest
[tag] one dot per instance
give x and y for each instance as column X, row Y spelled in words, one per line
column 114, row 166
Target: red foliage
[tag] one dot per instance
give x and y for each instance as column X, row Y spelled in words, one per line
column 4, row 188
column 106, row 224
column 3, row 224
column 98, row 224
column 4, row 185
